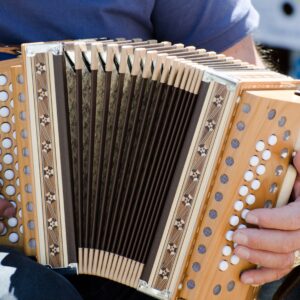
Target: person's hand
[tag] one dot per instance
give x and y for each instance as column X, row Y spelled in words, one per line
column 7, row 210
column 272, row 245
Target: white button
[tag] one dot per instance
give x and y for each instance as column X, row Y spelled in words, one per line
column 226, row 251
column 242, row 226
column 223, row 265
column 13, row 237
column 255, row 184
column 5, row 127
column 6, row 143
column 261, row 169
column 272, row 140
column 8, row 159
column 245, row 213
column 238, row 205
column 9, row 174
column 250, row 199
column 234, row 220
column 3, row 79
column 234, row 259
column 3, row 96
column 243, row 190
column 10, row 190
column 266, row 155
column 248, row 176
column 254, row 160
column 260, row 146
column 229, row 235
column 4, row 112
column 12, row 222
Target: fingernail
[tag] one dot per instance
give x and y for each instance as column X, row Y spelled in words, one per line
column 242, row 252
column 9, row 212
column 240, row 238
column 247, row 280
column 251, row 218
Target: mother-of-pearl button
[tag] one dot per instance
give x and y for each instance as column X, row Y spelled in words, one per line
column 3, row 79
column 248, row 176
column 243, row 190
column 3, row 96
column 255, row 184
column 8, row 159
column 226, row 251
column 13, row 237
column 238, row 205
column 223, row 265
column 4, row 231
column 266, row 155
column 260, row 170
column 12, row 222
column 6, row 143
column 5, row 127
column 242, row 226
column 250, row 199
column 10, row 190
column 234, row 259
column 4, row 112
column 229, row 235
column 234, row 220
column 245, row 213
column 272, row 140
column 254, row 160
column 260, row 146
column 9, row 174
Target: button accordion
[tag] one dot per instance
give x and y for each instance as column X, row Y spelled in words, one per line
column 136, row 160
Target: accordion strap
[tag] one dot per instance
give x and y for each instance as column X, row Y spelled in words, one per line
column 10, row 49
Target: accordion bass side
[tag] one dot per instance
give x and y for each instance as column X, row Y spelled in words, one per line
column 136, row 160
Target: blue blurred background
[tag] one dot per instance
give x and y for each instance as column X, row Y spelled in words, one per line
column 279, row 33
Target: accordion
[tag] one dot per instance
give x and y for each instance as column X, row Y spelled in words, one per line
column 136, row 160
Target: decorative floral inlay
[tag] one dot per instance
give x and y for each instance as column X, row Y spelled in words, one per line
column 187, row 200
column 218, row 101
column 202, row 150
column 48, row 172
column 42, row 94
column 195, row 174
column 179, row 224
column 40, row 68
column 50, row 197
column 164, row 273
column 52, row 223
column 44, row 120
column 210, row 125
column 172, row 248
column 46, row 146
column 54, row 249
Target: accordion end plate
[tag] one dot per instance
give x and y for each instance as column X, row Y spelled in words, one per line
column 144, row 287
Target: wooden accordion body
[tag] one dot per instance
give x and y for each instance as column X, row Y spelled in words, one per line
column 135, row 161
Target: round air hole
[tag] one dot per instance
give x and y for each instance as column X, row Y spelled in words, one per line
column 229, row 161
column 29, row 207
column 286, row 135
column 3, row 79
column 24, row 134
column 284, row 153
column 8, row 159
column 9, row 174
column 4, row 112
column 191, row 284
column 196, row 267
column 235, row 143
column 28, row 188
column 288, row 8
column 218, row 196
column 21, row 97
column 213, row 214
column 268, row 204
column 201, row 249
column 22, row 115
column 7, row 143
column 26, row 170
column 271, row 114
column 240, row 126
column 273, row 188
column 278, row 170
column 30, row 225
column 282, row 121
column 230, row 286
column 207, row 231
column 3, row 96
column 224, row 179
column 5, row 127
column 217, row 289
column 25, row 152
column 246, row 108
column 13, row 237
column 20, row 79
column 32, row 244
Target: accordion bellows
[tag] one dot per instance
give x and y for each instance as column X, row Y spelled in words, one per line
column 136, row 160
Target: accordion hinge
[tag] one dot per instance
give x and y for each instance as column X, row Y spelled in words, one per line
column 145, row 288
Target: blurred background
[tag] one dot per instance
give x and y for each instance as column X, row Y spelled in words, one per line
column 279, row 33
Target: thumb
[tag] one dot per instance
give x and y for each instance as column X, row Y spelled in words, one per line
column 6, row 209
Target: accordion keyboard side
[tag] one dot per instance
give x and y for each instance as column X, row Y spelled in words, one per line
column 254, row 162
